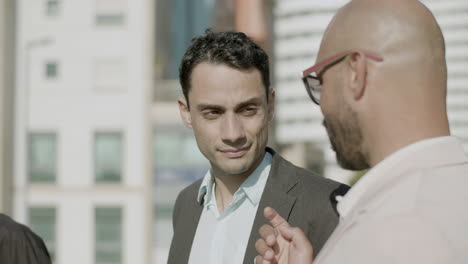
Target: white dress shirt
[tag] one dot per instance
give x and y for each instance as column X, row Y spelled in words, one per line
column 222, row 238
column 410, row 208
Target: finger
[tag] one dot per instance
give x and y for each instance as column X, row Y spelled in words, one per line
column 296, row 235
column 268, row 233
column 258, row 260
column 261, row 260
column 264, row 261
column 274, row 218
column 291, row 233
column 265, row 251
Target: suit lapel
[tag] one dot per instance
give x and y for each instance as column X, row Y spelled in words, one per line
column 183, row 238
column 276, row 194
column 189, row 235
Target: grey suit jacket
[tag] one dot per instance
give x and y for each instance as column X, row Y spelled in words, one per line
column 304, row 199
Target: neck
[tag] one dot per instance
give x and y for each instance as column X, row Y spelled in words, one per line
column 227, row 184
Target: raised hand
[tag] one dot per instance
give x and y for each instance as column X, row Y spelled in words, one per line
column 280, row 243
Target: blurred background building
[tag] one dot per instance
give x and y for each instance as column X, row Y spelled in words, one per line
column 298, row 27
column 93, row 152
column 7, row 64
column 177, row 161
column 82, row 143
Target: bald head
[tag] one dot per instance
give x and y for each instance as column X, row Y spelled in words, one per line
column 384, row 26
column 399, row 100
column 403, row 32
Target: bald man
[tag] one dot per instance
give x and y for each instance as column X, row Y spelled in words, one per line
column 381, row 82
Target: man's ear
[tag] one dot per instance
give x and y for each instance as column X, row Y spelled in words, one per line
column 357, row 66
column 184, row 111
column 271, row 103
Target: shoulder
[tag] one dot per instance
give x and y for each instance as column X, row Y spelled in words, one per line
column 398, row 239
column 186, row 197
column 313, row 193
column 309, row 181
column 190, row 192
column 10, row 229
column 19, row 242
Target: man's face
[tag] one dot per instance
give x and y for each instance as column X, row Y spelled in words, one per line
column 229, row 115
column 341, row 121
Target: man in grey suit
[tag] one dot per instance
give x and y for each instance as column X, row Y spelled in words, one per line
column 229, row 104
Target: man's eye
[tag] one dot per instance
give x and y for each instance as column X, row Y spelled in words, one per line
column 211, row 114
column 249, row 111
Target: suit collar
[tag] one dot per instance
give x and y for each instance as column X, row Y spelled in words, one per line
column 278, row 193
column 279, row 168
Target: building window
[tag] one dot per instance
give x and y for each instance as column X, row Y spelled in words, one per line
column 42, row 221
column 176, row 156
column 108, row 235
column 42, row 157
column 51, row 70
column 178, row 21
column 110, row 75
column 108, row 157
column 110, row 12
column 52, row 7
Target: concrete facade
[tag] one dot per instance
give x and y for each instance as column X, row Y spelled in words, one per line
column 100, row 56
column 7, row 65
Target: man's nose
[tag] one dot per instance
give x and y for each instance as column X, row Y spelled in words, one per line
column 232, row 129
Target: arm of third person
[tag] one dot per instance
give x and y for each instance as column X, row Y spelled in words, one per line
column 281, row 243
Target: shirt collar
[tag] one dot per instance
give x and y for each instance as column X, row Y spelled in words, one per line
column 206, row 188
column 425, row 153
column 252, row 186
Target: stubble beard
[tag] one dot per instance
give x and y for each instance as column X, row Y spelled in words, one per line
column 346, row 140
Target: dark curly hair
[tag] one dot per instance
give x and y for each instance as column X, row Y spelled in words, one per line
column 233, row 49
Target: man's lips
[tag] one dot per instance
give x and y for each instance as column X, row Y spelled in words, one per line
column 235, row 153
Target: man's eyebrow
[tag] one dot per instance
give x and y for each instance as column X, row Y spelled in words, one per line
column 251, row 101
column 208, row 106
column 254, row 100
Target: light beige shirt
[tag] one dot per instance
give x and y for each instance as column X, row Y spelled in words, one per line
column 410, row 208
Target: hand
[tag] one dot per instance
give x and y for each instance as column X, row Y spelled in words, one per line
column 280, row 243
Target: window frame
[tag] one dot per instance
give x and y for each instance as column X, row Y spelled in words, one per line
column 101, row 16
column 48, row 9
column 47, row 67
column 97, row 243
column 36, row 180
column 99, row 180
